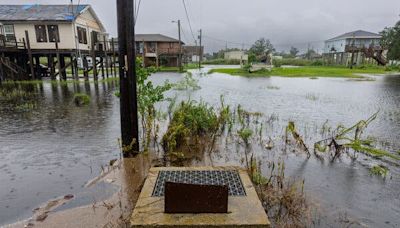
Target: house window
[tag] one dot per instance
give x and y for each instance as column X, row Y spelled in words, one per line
column 82, row 35
column 54, row 35
column 9, row 32
column 41, row 34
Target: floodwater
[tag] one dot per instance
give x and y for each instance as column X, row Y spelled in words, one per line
column 56, row 148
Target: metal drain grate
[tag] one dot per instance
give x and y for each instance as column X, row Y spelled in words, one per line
column 207, row 177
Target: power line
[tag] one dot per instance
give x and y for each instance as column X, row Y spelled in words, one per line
column 226, row 41
column 187, row 16
column 136, row 10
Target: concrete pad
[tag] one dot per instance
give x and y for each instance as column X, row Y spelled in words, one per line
column 243, row 211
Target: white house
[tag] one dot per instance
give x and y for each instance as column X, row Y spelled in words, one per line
column 353, row 46
column 357, row 39
column 70, row 25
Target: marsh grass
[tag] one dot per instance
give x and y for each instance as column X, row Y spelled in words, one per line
column 307, row 71
column 311, row 97
column 273, row 87
column 379, row 170
column 347, row 139
column 283, row 198
column 20, row 97
column 191, row 123
column 188, row 83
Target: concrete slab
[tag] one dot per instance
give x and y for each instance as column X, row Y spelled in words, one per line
column 243, row 211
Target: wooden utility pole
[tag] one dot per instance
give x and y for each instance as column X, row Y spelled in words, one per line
column 94, row 62
column 105, row 55
column 180, row 46
column 28, row 45
column 200, row 52
column 127, row 73
column 58, row 61
column 114, row 58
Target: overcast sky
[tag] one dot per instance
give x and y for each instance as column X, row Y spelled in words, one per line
column 285, row 22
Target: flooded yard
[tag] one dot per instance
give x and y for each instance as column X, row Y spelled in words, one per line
column 56, row 148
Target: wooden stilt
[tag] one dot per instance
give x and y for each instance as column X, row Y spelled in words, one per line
column 28, row 45
column 114, row 58
column 52, row 67
column 62, row 73
column 85, row 68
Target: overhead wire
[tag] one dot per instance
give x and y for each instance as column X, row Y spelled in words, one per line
column 188, row 19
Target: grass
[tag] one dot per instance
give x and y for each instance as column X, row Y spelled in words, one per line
column 186, row 67
column 222, row 62
column 307, row 71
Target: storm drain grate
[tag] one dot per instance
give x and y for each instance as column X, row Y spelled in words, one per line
column 206, row 177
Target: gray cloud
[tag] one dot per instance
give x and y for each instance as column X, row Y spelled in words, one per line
column 285, row 22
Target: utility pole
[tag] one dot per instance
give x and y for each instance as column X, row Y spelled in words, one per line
column 127, row 74
column 200, row 52
column 180, row 46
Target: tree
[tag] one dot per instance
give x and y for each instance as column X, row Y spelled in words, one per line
column 391, row 41
column 262, row 46
column 293, row 52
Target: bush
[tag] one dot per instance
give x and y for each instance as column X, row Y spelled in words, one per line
column 190, row 122
column 81, row 99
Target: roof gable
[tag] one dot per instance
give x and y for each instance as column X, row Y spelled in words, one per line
column 357, row 34
column 155, row 38
column 36, row 12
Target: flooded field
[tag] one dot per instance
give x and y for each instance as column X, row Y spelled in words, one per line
column 55, row 148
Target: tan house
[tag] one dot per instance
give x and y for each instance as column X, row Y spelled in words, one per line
column 70, row 25
column 30, row 32
column 236, row 55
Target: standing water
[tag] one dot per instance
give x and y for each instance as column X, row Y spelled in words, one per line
column 55, row 148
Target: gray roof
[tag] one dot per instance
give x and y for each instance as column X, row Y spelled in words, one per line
column 35, row 12
column 154, row 38
column 357, row 34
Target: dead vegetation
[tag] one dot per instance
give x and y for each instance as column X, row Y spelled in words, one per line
column 349, row 139
column 283, row 199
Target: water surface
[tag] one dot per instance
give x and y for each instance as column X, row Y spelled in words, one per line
column 56, row 148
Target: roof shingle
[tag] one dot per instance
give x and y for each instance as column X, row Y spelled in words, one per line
column 357, row 34
column 35, row 12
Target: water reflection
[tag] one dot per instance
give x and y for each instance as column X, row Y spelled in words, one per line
column 55, row 148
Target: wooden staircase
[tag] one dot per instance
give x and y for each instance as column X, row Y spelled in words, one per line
column 376, row 54
column 12, row 69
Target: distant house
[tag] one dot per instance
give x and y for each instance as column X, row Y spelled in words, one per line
column 357, row 46
column 158, row 50
column 70, row 26
column 192, row 53
column 236, row 55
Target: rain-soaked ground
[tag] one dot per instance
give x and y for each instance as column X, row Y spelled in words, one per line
column 54, row 149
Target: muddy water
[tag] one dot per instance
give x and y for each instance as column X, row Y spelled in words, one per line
column 56, row 148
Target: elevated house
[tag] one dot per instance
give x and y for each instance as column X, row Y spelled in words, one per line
column 158, row 50
column 354, row 48
column 66, row 31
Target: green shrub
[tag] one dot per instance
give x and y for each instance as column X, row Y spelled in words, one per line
column 81, row 99
column 190, row 122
